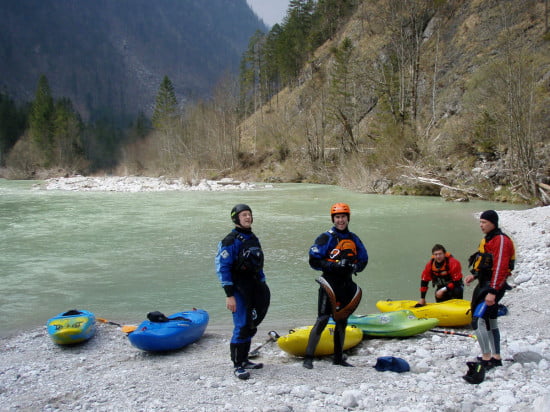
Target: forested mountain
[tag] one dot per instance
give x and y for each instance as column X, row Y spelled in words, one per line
column 109, row 56
column 430, row 97
column 408, row 97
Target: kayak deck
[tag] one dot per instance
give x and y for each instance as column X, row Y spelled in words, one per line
column 454, row 312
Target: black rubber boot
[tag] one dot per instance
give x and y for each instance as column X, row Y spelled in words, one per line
column 246, row 364
column 233, row 352
column 239, row 355
column 339, row 336
column 310, row 350
column 308, row 362
column 313, row 341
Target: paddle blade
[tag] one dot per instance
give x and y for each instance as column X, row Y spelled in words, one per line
column 128, row 328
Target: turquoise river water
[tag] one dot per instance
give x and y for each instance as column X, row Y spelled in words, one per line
column 122, row 255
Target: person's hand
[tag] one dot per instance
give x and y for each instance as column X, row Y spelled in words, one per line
column 342, row 267
column 439, row 293
column 231, row 303
column 468, row 279
column 421, row 302
column 490, row 299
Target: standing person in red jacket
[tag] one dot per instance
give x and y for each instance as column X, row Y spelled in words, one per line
column 445, row 273
column 492, row 264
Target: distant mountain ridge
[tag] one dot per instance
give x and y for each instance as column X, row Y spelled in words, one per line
column 111, row 55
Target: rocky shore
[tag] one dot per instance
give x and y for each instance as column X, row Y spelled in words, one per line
column 141, row 184
column 108, row 374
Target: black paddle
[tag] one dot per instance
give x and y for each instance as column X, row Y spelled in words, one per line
column 123, row 328
column 273, row 336
column 451, row 332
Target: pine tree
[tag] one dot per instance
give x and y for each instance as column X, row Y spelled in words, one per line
column 67, row 134
column 12, row 124
column 41, row 118
column 343, row 101
column 166, row 105
column 253, row 80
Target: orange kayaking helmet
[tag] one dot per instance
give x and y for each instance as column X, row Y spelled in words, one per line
column 340, row 208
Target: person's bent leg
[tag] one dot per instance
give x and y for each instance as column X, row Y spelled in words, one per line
column 313, row 341
column 339, row 336
column 496, row 342
column 241, row 338
column 495, row 331
column 481, row 331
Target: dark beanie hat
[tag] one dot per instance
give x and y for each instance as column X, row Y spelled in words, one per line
column 491, row 216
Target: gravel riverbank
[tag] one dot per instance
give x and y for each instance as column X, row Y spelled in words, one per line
column 108, row 374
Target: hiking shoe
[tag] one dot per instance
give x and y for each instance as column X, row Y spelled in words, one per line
column 241, row 373
column 486, row 364
column 308, row 363
column 252, row 365
column 491, row 363
column 343, row 363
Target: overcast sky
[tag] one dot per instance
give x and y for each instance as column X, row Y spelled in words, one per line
column 270, row 11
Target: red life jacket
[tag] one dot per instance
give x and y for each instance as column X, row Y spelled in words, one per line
column 441, row 275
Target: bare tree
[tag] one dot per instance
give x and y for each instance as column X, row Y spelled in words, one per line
column 505, row 94
column 343, row 94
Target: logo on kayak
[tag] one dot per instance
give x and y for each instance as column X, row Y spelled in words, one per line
column 67, row 325
column 384, row 319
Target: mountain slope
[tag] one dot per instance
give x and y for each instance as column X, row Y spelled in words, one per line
column 437, row 89
column 111, row 55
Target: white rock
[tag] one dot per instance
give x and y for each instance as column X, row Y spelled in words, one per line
column 350, row 398
column 542, row 403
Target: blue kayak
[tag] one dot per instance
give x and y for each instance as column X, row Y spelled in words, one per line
column 73, row 326
column 175, row 332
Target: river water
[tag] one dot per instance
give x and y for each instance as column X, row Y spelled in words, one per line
column 122, row 255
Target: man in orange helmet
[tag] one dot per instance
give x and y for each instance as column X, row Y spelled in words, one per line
column 338, row 253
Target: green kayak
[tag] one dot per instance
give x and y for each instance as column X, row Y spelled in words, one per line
column 398, row 324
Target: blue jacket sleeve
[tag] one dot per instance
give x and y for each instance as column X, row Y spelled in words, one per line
column 319, row 251
column 224, row 262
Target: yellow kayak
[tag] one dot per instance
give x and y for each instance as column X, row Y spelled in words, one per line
column 454, row 312
column 295, row 342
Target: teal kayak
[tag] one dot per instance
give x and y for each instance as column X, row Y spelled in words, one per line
column 73, row 326
column 398, row 324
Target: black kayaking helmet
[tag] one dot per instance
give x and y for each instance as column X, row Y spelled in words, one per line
column 241, row 207
column 475, row 374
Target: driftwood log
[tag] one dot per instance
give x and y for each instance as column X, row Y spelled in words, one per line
column 437, row 182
